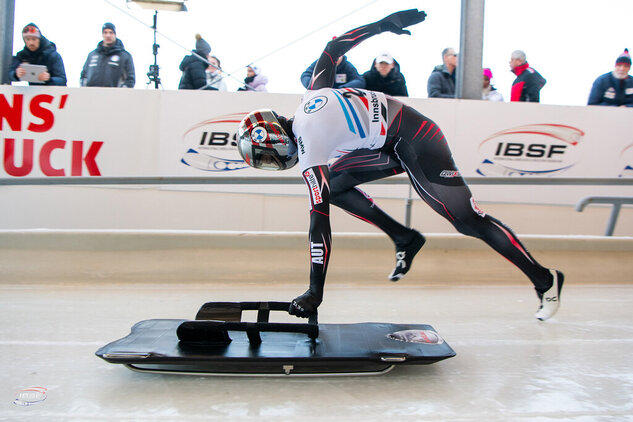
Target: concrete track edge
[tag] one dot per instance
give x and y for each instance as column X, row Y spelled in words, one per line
column 121, row 240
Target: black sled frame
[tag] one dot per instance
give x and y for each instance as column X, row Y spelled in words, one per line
column 219, row 343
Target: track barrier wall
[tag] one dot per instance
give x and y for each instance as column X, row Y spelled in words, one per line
column 58, row 132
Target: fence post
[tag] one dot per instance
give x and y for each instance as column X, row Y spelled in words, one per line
column 615, row 212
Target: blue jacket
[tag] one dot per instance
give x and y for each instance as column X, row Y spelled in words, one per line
column 441, row 83
column 609, row 91
column 46, row 55
column 346, row 76
column 109, row 66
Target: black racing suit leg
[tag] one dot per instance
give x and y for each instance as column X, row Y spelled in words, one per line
column 423, row 152
column 362, row 166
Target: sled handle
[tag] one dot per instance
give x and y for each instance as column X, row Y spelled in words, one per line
column 232, row 311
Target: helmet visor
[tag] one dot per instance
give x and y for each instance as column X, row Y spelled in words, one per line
column 267, row 159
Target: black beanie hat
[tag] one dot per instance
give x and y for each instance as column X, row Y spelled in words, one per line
column 108, row 25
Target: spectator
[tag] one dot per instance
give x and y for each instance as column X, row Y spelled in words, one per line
column 614, row 88
column 194, row 66
column 109, row 64
column 215, row 80
column 489, row 92
column 38, row 50
column 441, row 83
column 255, row 80
column 346, row 75
column 528, row 83
column 385, row 76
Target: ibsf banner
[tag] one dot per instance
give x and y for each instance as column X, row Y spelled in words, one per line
column 210, row 145
column 527, row 139
column 202, row 141
column 96, row 132
column 531, row 150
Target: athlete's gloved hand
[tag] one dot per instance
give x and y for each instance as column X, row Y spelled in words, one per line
column 304, row 305
column 396, row 21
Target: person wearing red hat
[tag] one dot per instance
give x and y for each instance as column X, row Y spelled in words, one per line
column 38, row 50
column 614, row 88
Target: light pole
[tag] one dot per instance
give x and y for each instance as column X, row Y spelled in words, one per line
column 156, row 5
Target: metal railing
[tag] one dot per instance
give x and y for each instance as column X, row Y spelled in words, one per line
column 615, row 201
column 268, row 180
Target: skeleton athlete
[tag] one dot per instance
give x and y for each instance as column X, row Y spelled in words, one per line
column 342, row 138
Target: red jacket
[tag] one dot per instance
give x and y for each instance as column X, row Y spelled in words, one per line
column 527, row 85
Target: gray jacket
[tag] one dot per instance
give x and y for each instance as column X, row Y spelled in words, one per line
column 441, row 83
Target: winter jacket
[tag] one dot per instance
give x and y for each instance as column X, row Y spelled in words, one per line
column 346, row 76
column 215, row 81
column 46, row 55
column 491, row 94
column 255, row 83
column 194, row 74
column 441, row 83
column 110, row 66
column 527, row 85
column 607, row 90
column 392, row 84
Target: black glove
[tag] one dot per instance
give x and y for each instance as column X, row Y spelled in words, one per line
column 396, row 21
column 304, row 305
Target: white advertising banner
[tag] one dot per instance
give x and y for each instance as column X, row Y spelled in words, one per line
column 61, row 132
column 67, row 132
column 527, row 139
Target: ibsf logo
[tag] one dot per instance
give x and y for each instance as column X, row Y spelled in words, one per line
column 530, row 150
column 30, row 396
column 212, row 144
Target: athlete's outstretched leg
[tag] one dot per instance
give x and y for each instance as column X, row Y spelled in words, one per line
column 547, row 283
column 362, row 166
column 432, row 171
